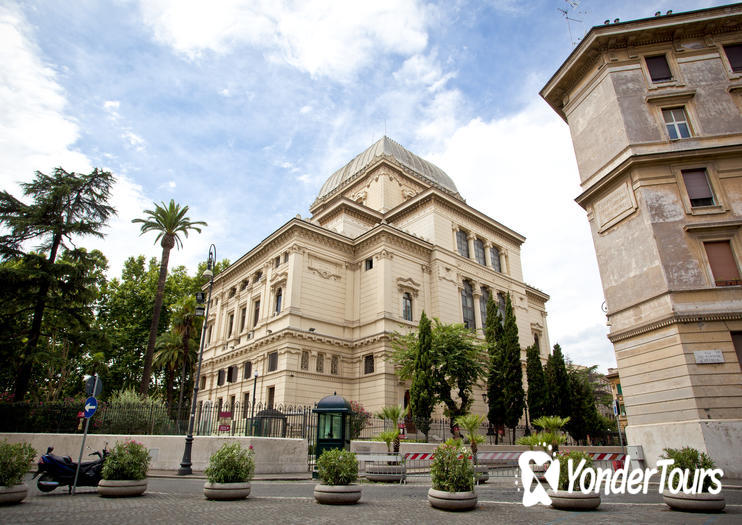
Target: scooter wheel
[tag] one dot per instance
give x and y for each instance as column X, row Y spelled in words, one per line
column 46, row 483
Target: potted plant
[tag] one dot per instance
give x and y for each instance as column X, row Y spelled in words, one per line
column 549, row 438
column 702, row 500
column 452, row 475
column 125, row 470
column 575, row 500
column 392, row 471
column 229, row 472
column 337, row 470
column 471, row 424
column 14, row 462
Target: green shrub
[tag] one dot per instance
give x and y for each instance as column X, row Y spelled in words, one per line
column 359, row 417
column 576, row 457
column 231, row 464
column 128, row 412
column 337, row 467
column 127, row 460
column 692, row 460
column 14, row 462
column 451, row 469
column 387, row 437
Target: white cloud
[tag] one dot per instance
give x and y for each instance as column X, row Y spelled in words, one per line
column 305, row 109
column 521, row 171
column 34, row 132
column 134, row 140
column 320, row 37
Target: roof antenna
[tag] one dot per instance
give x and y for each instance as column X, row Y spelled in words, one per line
column 573, row 5
column 385, row 127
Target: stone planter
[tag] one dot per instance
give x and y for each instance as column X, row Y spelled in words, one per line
column 337, row 494
column 226, row 491
column 565, row 500
column 13, row 494
column 387, row 473
column 482, row 473
column 703, row 502
column 440, row 499
column 121, row 488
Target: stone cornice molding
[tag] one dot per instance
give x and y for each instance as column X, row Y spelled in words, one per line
column 672, row 320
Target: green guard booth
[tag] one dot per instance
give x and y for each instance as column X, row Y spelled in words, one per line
column 333, row 424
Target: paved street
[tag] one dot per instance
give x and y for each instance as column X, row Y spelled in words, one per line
column 179, row 500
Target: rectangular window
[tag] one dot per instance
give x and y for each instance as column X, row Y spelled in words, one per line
column 320, row 363
column 461, row 244
column 231, row 374
column 245, row 403
column 483, row 304
column 467, row 305
column 699, row 189
column 243, row 318
column 277, row 262
column 676, row 122
column 406, row 306
column 220, row 377
column 737, row 343
column 305, row 360
column 734, row 54
column 256, row 313
column 286, row 257
column 618, row 387
column 208, row 336
column 203, row 382
column 723, row 266
column 368, row 364
column 247, row 374
column 231, row 325
column 272, row 361
column 479, row 252
column 495, row 258
column 369, row 263
column 659, row 69
column 334, row 365
column 271, row 396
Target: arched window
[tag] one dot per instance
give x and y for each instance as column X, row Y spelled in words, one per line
column 467, row 305
column 495, row 258
column 279, row 296
column 461, row 244
column 483, row 304
column 407, row 306
column 479, row 252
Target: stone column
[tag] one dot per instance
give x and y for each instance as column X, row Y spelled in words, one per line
column 470, row 242
column 487, row 255
column 477, row 294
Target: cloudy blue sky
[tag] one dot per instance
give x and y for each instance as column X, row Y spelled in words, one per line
column 241, row 109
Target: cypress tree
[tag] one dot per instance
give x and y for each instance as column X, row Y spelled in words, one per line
column 422, row 390
column 557, row 384
column 511, row 369
column 584, row 418
column 537, row 393
column 495, row 401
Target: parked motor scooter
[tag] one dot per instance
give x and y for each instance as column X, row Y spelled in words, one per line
column 57, row 471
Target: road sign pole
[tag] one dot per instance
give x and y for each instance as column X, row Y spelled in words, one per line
column 84, row 437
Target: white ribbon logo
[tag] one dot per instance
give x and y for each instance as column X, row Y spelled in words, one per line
column 535, row 493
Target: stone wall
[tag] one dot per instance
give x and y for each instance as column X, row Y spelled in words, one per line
column 272, row 455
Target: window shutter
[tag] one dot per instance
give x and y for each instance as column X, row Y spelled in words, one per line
column 697, row 184
column 723, row 265
column 734, row 54
column 659, row 69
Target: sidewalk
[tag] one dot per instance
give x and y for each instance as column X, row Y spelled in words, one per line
column 285, row 476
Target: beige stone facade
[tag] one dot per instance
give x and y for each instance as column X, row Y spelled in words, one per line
column 312, row 307
column 654, row 107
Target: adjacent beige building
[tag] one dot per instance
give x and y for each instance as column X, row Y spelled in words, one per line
column 311, row 308
column 654, row 107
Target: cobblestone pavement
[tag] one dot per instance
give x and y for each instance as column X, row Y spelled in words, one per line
column 180, row 500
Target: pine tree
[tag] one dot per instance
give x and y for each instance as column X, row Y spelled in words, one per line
column 64, row 205
column 557, row 384
column 511, row 369
column 584, row 419
column 495, row 401
column 537, row 393
column 422, row 389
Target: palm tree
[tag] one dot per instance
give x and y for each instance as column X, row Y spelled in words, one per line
column 183, row 324
column 167, row 357
column 393, row 414
column 471, row 423
column 169, row 222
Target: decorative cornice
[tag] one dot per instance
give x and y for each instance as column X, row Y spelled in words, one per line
column 672, row 320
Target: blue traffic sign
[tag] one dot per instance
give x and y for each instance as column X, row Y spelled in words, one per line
column 91, row 405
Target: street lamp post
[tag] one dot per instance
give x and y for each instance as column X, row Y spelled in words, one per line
column 185, row 464
column 252, row 412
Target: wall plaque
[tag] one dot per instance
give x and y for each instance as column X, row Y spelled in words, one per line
column 705, row 357
column 618, row 204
